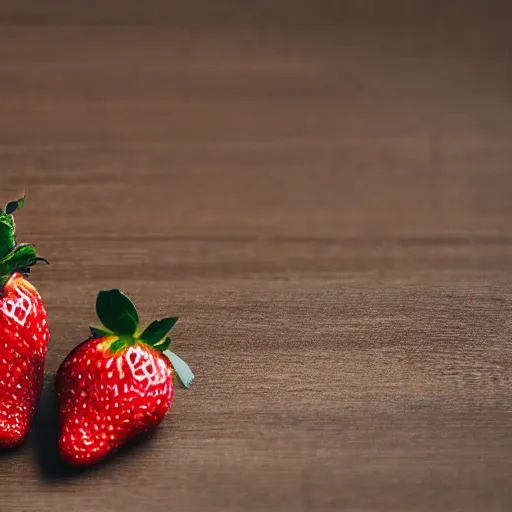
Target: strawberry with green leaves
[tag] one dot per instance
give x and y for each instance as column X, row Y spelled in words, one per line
column 118, row 383
column 24, row 334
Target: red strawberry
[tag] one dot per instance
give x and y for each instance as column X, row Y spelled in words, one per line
column 24, row 334
column 116, row 384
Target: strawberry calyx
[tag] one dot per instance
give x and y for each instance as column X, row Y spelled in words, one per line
column 120, row 322
column 14, row 257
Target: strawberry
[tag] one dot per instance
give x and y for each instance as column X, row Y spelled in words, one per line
column 24, row 334
column 116, row 384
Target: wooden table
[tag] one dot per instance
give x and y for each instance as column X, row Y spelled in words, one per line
column 323, row 193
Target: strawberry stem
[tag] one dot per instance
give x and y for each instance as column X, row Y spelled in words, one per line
column 14, row 258
column 120, row 320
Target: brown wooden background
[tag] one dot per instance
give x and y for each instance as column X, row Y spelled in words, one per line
column 322, row 191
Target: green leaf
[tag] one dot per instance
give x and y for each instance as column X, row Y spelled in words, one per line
column 14, row 205
column 163, row 344
column 182, row 369
column 7, row 228
column 20, row 259
column 99, row 332
column 157, row 330
column 23, row 255
column 7, row 236
column 117, row 312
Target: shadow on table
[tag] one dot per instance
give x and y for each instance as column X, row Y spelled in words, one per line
column 45, row 435
column 7, row 453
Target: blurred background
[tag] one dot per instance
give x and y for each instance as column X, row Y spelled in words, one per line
column 321, row 190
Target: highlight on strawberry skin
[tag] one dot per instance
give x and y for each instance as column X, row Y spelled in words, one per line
column 24, row 333
column 118, row 383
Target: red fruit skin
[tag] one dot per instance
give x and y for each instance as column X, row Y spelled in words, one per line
column 106, row 399
column 24, row 337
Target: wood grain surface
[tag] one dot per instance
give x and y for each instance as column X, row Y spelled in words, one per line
column 322, row 192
